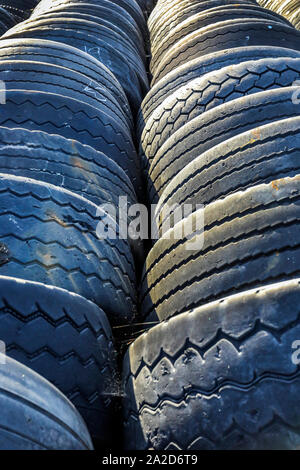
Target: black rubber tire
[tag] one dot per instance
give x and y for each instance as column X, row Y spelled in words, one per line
column 49, row 235
column 105, row 11
column 68, row 164
column 130, row 6
column 215, row 88
column 215, row 126
column 6, row 18
column 294, row 16
column 210, row 17
column 18, row 14
column 109, row 38
column 197, row 68
column 146, row 6
column 22, row 4
column 74, row 348
column 161, row 23
column 3, row 28
column 132, row 78
column 249, row 239
column 60, row 54
column 133, row 42
column 65, row 163
column 222, row 376
column 258, row 156
column 35, row 415
column 29, row 75
column 87, row 23
column 76, row 120
column 166, row 15
column 237, row 33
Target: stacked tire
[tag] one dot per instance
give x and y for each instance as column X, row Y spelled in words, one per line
column 290, row 9
column 14, row 11
column 219, row 134
column 73, row 76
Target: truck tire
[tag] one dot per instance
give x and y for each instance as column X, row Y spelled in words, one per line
column 35, row 415
column 197, row 68
column 76, row 120
column 51, row 235
column 215, row 88
column 132, row 77
column 29, row 75
column 239, row 33
column 201, row 381
column 65, row 163
column 258, row 156
column 161, row 23
column 210, row 17
column 247, row 240
column 57, row 53
column 215, row 126
column 130, row 6
column 74, row 348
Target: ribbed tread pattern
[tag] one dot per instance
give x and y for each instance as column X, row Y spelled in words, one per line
column 215, row 126
column 50, row 235
column 36, row 415
column 251, row 238
column 237, row 33
column 73, row 350
column 258, row 156
column 184, row 378
column 205, row 93
column 73, row 119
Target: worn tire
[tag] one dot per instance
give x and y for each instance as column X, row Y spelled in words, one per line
column 131, row 76
column 197, row 68
column 209, row 17
column 50, row 235
column 215, row 88
column 35, row 415
column 65, row 163
column 161, row 23
column 248, row 239
column 60, row 54
column 222, row 376
column 130, row 6
column 29, row 75
column 73, row 350
column 105, row 11
column 258, row 156
column 239, row 33
column 76, row 120
column 68, row 164
column 215, row 126
column 110, row 34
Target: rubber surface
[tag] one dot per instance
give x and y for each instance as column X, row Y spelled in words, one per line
column 57, row 53
column 215, row 88
column 215, row 18
column 202, row 380
column 130, row 74
column 35, row 415
column 73, row 350
column 211, row 16
column 215, row 126
column 197, row 68
column 73, row 119
column 30, row 75
column 236, row 33
column 258, row 156
column 51, row 235
column 247, row 240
